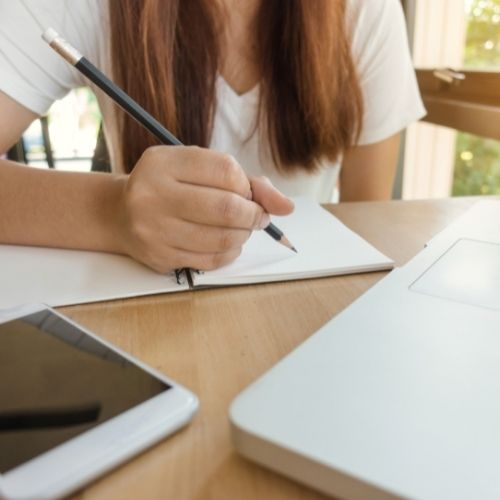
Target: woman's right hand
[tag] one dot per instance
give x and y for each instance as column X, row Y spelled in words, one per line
column 190, row 207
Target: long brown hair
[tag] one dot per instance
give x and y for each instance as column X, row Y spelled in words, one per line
column 166, row 54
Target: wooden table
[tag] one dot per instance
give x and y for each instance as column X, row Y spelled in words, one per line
column 216, row 342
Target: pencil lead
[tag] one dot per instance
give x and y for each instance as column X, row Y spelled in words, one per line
column 286, row 242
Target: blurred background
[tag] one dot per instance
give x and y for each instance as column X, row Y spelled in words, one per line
column 73, row 124
column 436, row 161
column 477, row 160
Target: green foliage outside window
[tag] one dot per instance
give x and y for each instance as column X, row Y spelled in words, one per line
column 477, row 160
column 477, row 166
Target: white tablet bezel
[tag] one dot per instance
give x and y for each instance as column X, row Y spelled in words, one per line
column 68, row 466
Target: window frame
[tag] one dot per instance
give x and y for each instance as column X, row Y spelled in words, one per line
column 470, row 105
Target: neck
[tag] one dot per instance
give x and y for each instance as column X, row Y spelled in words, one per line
column 239, row 64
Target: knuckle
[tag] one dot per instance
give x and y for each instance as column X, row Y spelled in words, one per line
column 151, row 153
column 227, row 240
column 230, row 171
column 193, row 149
column 155, row 157
column 230, row 208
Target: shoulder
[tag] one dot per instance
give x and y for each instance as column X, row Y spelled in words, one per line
column 77, row 20
column 80, row 21
column 57, row 10
column 370, row 23
column 377, row 33
column 32, row 73
column 380, row 52
column 363, row 13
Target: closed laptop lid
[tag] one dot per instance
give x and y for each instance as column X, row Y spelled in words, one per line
column 398, row 395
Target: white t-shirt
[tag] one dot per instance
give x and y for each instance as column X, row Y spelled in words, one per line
column 33, row 75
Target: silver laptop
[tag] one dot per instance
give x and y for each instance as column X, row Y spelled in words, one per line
column 399, row 395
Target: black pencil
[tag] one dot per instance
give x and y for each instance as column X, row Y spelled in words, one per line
column 82, row 64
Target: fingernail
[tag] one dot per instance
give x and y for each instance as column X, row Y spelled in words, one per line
column 265, row 220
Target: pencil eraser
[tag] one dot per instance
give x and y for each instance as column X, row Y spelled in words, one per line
column 50, row 35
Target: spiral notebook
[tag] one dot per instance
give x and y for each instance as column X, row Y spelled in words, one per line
column 56, row 277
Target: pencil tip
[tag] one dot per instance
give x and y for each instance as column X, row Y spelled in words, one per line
column 286, row 242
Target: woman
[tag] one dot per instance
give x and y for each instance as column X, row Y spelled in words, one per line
column 286, row 89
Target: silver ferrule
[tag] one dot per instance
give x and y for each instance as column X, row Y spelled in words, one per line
column 62, row 47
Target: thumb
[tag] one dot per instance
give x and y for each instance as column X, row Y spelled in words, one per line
column 269, row 198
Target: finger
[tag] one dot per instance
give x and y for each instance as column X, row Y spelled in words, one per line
column 215, row 207
column 205, row 167
column 203, row 238
column 267, row 196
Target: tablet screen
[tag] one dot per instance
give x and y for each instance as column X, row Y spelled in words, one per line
column 57, row 382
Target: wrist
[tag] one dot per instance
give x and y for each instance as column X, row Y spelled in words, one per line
column 111, row 210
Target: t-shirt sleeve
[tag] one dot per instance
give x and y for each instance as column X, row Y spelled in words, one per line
column 385, row 69
column 31, row 73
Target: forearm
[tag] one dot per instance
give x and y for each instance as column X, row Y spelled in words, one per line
column 368, row 171
column 59, row 209
column 180, row 207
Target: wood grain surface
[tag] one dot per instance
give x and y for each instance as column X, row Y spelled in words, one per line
column 216, row 342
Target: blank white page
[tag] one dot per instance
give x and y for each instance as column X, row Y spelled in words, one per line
column 61, row 277
column 325, row 247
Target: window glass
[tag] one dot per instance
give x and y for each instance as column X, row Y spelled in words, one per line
column 482, row 45
column 73, row 126
column 477, row 160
